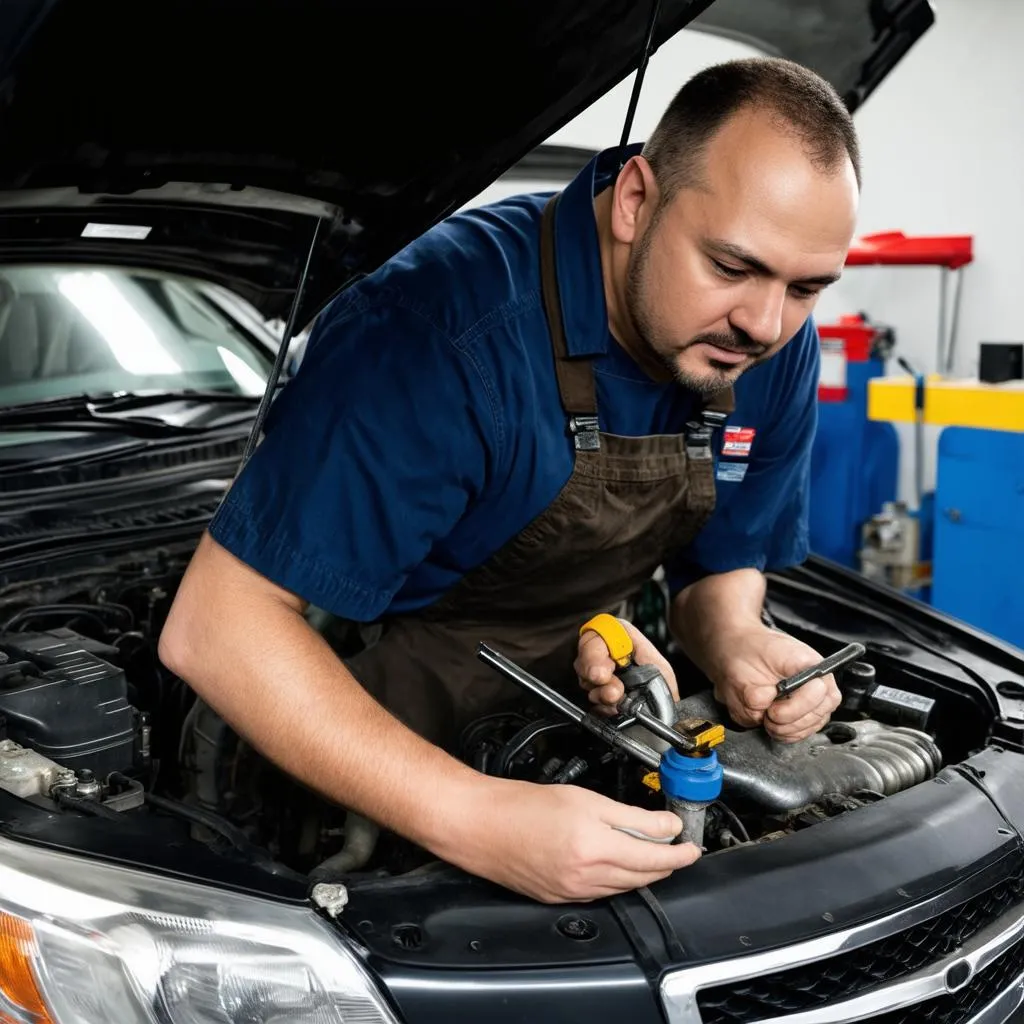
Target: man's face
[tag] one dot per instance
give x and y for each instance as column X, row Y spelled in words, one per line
column 722, row 276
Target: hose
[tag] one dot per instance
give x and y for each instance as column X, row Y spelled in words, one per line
column 207, row 819
column 361, row 836
column 91, row 807
column 522, row 740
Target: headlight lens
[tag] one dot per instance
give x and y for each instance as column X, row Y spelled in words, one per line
column 82, row 942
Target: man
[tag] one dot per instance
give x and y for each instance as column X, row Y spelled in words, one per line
column 504, row 431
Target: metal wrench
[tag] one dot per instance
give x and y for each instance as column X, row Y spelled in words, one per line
column 851, row 652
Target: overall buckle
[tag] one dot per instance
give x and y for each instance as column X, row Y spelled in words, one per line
column 699, row 436
column 698, row 440
column 584, row 430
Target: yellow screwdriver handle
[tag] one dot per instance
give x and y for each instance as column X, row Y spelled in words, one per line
column 614, row 634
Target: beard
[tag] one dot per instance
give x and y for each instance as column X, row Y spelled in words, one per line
column 667, row 350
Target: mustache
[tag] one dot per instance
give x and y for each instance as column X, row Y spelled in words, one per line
column 732, row 341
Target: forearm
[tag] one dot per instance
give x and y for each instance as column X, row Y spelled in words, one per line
column 249, row 653
column 708, row 615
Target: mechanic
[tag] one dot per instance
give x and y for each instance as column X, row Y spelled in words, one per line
column 505, row 430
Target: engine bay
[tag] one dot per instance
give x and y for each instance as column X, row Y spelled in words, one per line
column 92, row 724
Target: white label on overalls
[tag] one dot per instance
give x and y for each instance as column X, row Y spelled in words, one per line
column 731, row 472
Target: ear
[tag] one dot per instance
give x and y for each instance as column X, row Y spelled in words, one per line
column 634, row 200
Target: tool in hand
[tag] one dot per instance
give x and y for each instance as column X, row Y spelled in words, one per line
column 643, row 681
column 851, row 652
column 689, row 773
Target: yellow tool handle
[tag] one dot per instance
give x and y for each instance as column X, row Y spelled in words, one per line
column 614, row 634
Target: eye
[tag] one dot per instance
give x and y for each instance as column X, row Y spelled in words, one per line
column 799, row 292
column 729, row 273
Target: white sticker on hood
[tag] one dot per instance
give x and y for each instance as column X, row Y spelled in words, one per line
column 136, row 232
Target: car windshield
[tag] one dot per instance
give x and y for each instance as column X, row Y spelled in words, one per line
column 69, row 330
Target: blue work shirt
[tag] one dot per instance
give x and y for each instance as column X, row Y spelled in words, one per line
column 424, row 429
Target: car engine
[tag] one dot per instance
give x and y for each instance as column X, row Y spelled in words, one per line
column 91, row 723
column 877, row 744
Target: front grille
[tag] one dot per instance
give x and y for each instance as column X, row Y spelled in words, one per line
column 959, row 1007
column 857, row 971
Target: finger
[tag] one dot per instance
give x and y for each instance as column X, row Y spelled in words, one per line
column 609, row 695
column 741, row 714
column 835, row 695
column 593, row 662
column 757, row 698
column 670, row 678
column 738, row 711
column 800, row 703
column 640, row 856
column 806, row 726
column 811, row 723
column 658, row 824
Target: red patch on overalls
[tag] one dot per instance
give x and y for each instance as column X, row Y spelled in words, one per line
column 737, row 440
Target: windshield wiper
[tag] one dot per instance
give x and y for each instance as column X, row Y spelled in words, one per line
column 119, row 412
column 141, row 399
column 118, row 449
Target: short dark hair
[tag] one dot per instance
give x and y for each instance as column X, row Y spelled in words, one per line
column 801, row 100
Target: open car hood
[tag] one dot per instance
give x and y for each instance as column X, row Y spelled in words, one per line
column 223, row 132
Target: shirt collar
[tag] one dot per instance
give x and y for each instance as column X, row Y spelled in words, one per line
column 578, row 257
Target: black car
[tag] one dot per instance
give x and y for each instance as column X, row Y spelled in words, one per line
column 170, row 176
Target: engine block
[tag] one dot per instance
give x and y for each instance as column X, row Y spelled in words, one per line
column 845, row 758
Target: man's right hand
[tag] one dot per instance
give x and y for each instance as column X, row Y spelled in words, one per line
column 557, row 843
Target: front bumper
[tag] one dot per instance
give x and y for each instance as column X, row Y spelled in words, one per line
column 909, row 910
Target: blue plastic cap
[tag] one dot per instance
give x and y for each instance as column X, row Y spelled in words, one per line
column 697, row 779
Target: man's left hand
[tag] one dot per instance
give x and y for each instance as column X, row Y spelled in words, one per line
column 752, row 663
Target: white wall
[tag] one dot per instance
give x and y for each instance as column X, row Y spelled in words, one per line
column 943, row 150
column 600, row 125
column 943, row 153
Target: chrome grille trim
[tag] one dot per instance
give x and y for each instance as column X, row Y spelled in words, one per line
column 1003, row 1006
column 679, row 988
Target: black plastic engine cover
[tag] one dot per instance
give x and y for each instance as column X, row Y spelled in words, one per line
column 62, row 700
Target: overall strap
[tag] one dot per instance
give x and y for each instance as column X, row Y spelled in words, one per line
column 575, row 376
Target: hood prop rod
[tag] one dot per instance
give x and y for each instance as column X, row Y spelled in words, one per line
column 282, row 352
column 638, row 82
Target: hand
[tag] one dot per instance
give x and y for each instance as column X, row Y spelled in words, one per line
column 556, row 843
column 596, row 670
column 753, row 662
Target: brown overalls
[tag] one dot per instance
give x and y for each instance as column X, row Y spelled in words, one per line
column 629, row 502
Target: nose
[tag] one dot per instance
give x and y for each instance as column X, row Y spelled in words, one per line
column 759, row 313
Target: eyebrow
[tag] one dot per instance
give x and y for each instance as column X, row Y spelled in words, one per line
column 737, row 252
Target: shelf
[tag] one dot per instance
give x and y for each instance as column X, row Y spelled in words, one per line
column 893, row 248
column 949, row 402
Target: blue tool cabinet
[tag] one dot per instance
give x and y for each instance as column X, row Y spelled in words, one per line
column 978, row 562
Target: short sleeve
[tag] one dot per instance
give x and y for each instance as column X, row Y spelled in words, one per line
column 763, row 524
column 372, row 452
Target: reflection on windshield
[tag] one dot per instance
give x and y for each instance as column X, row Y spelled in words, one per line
column 66, row 330
column 133, row 342
column 247, row 379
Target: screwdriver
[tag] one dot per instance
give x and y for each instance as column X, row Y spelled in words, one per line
column 851, row 652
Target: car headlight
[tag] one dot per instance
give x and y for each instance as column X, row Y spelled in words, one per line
column 83, row 942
